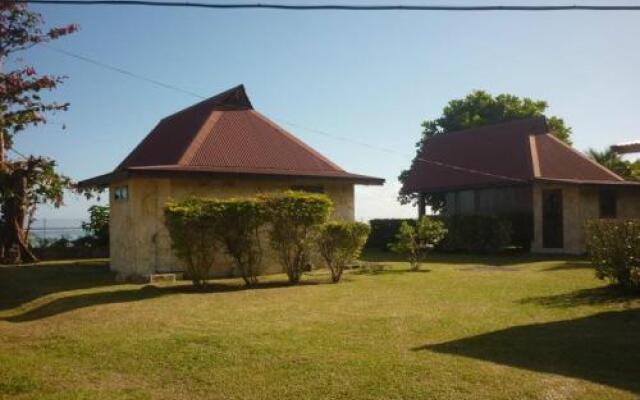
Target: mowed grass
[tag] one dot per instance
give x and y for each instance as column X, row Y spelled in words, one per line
column 468, row 327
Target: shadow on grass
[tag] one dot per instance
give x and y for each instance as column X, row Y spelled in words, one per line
column 602, row 348
column 386, row 270
column 25, row 283
column 570, row 265
column 594, row 296
column 71, row 303
column 494, row 260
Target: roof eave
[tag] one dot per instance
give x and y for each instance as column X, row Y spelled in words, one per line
column 457, row 188
column 102, row 181
column 583, row 182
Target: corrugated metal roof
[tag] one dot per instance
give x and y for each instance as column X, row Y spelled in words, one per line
column 514, row 152
column 224, row 134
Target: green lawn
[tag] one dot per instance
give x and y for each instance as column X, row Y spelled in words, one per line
column 468, row 328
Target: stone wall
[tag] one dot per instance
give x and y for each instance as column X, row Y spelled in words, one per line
column 580, row 204
column 140, row 243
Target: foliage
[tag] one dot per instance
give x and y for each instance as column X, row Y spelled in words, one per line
column 24, row 183
column 193, row 237
column 294, row 221
column 415, row 241
column 477, row 233
column 614, row 161
column 383, row 232
column 339, row 243
column 238, row 223
column 614, row 247
column 97, row 229
column 477, row 109
column 468, row 233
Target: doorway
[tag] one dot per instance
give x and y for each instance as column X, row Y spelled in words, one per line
column 552, row 226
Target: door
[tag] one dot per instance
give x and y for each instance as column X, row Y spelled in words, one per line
column 552, row 227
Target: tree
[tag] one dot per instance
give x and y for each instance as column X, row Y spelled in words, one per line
column 477, row 109
column 416, row 241
column 295, row 218
column 339, row 243
column 613, row 161
column 238, row 222
column 24, row 183
column 193, row 237
column 97, row 229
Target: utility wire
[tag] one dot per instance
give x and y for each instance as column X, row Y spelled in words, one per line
column 122, row 71
column 18, row 153
column 332, row 7
column 312, row 130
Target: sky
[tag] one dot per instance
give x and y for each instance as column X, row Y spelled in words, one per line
column 370, row 77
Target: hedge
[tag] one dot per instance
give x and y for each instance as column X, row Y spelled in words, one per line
column 470, row 233
column 476, row 233
column 614, row 248
column 383, row 232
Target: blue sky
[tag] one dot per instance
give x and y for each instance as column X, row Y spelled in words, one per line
column 370, row 76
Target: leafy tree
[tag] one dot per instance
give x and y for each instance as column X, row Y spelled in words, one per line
column 295, row 218
column 613, row 161
column 24, row 183
column 416, row 241
column 238, row 222
column 340, row 243
column 477, row 109
column 97, row 229
column 193, row 237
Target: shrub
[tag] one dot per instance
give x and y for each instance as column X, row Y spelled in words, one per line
column 294, row 220
column 193, row 236
column 614, row 247
column 476, row 233
column 340, row 243
column 238, row 222
column 383, row 232
column 416, row 241
column 97, row 229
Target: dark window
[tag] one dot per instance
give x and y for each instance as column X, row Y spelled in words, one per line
column 121, row 193
column 608, row 204
column 308, row 188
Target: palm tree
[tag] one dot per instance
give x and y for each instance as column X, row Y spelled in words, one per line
column 613, row 161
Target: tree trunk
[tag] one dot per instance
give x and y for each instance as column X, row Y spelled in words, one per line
column 14, row 212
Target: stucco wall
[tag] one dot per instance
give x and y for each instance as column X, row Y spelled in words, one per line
column 580, row 204
column 140, row 243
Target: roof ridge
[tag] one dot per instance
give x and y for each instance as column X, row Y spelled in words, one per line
column 239, row 92
column 200, row 138
column 522, row 121
column 585, row 157
column 297, row 140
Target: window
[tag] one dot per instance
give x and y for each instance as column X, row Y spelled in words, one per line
column 308, row 188
column 608, row 204
column 121, row 193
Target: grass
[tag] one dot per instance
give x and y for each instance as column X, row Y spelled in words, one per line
column 467, row 327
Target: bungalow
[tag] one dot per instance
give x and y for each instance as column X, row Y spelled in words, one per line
column 520, row 168
column 220, row 147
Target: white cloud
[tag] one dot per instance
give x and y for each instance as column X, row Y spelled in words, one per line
column 381, row 202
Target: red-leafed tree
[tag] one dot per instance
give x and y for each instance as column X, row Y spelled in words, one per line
column 27, row 181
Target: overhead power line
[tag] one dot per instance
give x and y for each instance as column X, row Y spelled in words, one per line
column 122, row 71
column 312, row 130
column 334, row 7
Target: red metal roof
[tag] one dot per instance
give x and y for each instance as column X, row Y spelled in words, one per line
column 514, row 152
column 224, row 134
